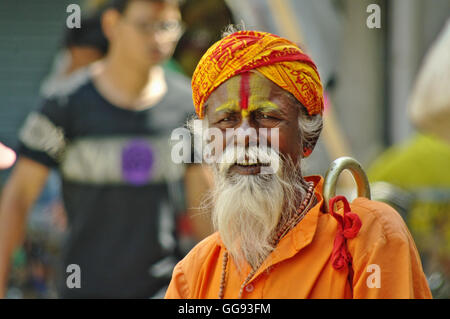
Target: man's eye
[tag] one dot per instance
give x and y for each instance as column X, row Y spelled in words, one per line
column 266, row 117
column 226, row 119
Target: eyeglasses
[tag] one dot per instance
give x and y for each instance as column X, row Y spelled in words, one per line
column 170, row 28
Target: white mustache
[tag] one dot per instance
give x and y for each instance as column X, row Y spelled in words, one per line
column 267, row 157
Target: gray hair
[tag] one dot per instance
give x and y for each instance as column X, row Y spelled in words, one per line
column 233, row 28
column 310, row 125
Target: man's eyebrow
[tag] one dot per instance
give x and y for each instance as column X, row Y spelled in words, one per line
column 265, row 106
column 228, row 106
column 268, row 109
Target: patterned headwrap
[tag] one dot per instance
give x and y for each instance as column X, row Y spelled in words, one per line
column 278, row 59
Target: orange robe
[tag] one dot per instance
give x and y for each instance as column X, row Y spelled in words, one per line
column 386, row 263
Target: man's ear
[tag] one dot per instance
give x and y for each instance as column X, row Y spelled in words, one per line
column 309, row 146
column 110, row 20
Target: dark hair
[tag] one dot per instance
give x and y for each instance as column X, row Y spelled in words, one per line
column 90, row 34
column 121, row 5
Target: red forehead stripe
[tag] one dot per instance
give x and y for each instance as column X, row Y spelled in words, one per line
column 244, row 90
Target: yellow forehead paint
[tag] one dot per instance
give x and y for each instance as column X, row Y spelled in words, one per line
column 248, row 94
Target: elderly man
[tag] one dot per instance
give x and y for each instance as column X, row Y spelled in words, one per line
column 274, row 238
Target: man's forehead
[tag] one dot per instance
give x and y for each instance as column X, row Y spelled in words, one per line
column 253, row 86
column 257, row 85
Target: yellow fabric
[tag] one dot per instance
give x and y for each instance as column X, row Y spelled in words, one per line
column 422, row 161
column 278, row 59
column 300, row 266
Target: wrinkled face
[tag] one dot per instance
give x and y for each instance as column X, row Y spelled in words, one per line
column 147, row 32
column 248, row 204
column 248, row 101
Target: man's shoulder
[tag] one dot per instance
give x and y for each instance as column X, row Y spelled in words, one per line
column 380, row 222
column 201, row 252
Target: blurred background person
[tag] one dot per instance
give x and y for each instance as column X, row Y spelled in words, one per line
column 108, row 136
column 80, row 47
column 40, row 255
column 34, row 264
column 415, row 176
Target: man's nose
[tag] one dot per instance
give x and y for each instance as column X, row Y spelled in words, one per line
column 245, row 134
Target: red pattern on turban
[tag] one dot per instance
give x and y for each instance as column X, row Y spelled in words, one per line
column 278, row 59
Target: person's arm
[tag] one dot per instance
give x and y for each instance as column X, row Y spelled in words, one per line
column 20, row 192
column 42, row 142
column 198, row 181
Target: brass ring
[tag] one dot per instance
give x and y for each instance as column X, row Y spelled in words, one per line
column 332, row 175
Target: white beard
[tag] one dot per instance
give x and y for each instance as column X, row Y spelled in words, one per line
column 248, row 209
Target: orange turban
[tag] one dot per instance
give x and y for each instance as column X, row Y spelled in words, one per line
column 278, row 59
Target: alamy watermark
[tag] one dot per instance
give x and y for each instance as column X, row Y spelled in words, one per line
column 74, row 19
column 374, row 279
column 374, row 19
column 74, row 278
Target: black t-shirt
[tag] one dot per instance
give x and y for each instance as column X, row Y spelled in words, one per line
column 119, row 184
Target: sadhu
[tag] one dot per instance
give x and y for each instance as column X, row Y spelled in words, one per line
column 276, row 235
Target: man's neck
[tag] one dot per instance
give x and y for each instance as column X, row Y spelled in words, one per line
column 129, row 87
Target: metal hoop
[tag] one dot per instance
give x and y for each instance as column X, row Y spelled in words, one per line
column 332, row 175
